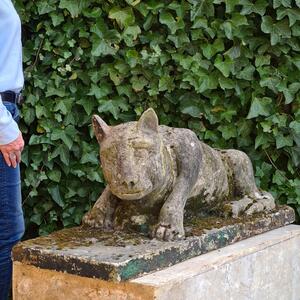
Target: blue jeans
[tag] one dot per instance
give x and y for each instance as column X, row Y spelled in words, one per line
column 11, row 215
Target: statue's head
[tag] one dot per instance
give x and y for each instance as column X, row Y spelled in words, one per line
column 131, row 155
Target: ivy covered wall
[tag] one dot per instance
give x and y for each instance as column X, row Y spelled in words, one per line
column 227, row 69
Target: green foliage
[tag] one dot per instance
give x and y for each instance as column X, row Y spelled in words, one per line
column 227, row 69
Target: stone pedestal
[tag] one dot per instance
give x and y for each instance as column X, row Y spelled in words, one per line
column 81, row 263
column 266, row 266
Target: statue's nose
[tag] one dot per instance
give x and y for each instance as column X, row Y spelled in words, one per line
column 129, row 184
column 130, row 181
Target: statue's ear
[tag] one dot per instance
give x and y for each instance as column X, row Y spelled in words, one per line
column 101, row 129
column 148, row 121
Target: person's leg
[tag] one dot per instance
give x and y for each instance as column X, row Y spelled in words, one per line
column 11, row 218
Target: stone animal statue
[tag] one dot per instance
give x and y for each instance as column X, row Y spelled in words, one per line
column 158, row 165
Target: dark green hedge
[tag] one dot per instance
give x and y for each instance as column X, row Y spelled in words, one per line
column 227, row 69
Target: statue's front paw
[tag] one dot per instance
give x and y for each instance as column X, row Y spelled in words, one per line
column 96, row 220
column 168, row 232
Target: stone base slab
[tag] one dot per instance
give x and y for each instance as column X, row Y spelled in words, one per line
column 121, row 256
column 266, row 266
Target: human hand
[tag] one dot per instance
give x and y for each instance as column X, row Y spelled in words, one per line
column 12, row 151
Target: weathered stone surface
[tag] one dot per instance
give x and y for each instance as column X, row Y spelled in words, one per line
column 266, row 266
column 153, row 170
column 119, row 256
column 32, row 283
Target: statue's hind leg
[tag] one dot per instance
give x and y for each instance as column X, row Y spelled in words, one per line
column 248, row 198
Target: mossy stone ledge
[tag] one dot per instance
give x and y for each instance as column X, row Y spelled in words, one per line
column 120, row 256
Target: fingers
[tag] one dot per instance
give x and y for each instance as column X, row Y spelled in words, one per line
column 13, row 159
column 12, row 151
column 6, row 158
column 18, row 156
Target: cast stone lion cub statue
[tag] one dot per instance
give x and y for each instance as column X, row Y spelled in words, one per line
column 143, row 161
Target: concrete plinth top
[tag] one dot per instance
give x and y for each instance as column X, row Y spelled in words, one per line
column 118, row 256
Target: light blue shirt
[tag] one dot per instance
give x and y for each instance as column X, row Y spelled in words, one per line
column 11, row 72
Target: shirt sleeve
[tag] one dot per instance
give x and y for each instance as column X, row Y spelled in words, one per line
column 9, row 129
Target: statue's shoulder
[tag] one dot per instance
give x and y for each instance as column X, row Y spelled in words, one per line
column 174, row 133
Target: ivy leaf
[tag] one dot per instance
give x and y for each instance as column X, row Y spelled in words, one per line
column 295, row 125
column 75, row 7
column 167, row 18
column 115, row 76
column 60, row 134
column 113, row 106
column 130, row 34
column 124, row 16
column 285, row 3
column 276, row 30
column 224, row 66
column 296, row 61
column 28, row 114
column 54, row 175
column 88, row 105
column 230, row 5
column 290, row 92
column 64, row 106
column 246, row 73
column 56, row 196
column 262, row 139
column 234, row 52
column 259, row 7
column 133, row 2
column 44, row 7
column 262, row 60
column 226, row 83
column 138, row 83
column 100, row 91
column 63, row 153
column 89, row 157
column 283, row 141
column 260, row 107
column 206, row 82
column 202, row 8
column 166, row 83
column 154, row 5
column 209, row 50
column 102, row 47
column 271, row 82
column 296, row 138
column 37, row 219
column 228, row 131
column 279, row 177
column 99, row 28
column 228, row 28
column 191, row 110
column 293, row 15
column 295, row 153
column 200, row 22
column 57, row 19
